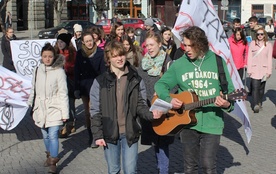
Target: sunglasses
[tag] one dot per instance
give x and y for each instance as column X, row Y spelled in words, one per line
column 260, row 34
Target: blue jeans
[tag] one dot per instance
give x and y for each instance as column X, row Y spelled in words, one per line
column 50, row 137
column 199, row 148
column 113, row 152
column 162, row 157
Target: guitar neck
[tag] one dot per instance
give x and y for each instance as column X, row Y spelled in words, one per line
column 191, row 106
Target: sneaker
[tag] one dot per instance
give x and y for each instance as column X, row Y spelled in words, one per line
column 256, row 109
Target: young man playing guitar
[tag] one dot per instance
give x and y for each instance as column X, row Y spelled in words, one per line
column 197, row 72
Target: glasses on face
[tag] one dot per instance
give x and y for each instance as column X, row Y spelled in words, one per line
column 260, row 34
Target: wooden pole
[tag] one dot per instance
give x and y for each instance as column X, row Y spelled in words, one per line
column 131, row 8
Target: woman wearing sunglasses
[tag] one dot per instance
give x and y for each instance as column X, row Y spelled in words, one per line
column 259, row 66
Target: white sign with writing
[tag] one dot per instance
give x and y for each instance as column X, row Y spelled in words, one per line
column 26, row 55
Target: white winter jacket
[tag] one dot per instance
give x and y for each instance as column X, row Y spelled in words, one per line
column 51, row 101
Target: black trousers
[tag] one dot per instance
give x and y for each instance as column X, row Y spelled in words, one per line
column 257, row 90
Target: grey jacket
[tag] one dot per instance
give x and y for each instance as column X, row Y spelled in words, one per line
column 103, row 107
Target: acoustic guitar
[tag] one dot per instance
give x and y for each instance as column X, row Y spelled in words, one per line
column 172, row 122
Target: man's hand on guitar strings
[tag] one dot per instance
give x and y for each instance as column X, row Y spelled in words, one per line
column 157, row 114
column 176, row 104
column 220, row 102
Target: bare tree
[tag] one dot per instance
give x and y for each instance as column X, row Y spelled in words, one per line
column 3, row 7
column 101, row 5
column 58, row 6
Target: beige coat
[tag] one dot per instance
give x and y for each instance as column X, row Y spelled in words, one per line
column 51, row 101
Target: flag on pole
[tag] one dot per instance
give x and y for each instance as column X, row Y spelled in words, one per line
column 202, row 13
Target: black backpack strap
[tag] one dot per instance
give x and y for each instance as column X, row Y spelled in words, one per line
column 222, row 76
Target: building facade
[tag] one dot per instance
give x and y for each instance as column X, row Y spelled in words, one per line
column 258, row 8
column 38, row 14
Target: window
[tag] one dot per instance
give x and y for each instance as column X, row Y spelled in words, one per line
column 257, row 10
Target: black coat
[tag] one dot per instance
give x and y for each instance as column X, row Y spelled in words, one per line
column 87, row 69
column 6, row 50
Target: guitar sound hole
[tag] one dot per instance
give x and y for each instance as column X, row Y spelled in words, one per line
column 179, row 111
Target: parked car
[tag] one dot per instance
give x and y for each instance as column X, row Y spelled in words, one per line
column 68, row 25
column 136, row 23
column 159, row 23
column 106, row 24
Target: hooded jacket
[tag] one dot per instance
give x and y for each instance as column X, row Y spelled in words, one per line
column 51, row 100
column 239, row 52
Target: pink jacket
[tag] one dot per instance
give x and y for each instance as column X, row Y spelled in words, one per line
column 260, row 65
column 274, row 50
column 239, row 52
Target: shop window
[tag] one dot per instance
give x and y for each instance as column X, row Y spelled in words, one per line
column 257, row 10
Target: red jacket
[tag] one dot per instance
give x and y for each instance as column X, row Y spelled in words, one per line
column 239, row 52
column 274, row 50
column 68, row 66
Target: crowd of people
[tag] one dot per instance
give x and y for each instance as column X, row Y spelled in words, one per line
column 117, row 77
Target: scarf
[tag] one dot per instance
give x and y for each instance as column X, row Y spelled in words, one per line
column 154, row 65
column 89, row 52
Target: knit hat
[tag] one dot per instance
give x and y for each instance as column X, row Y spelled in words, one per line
column 148, row 22
column 77, row 27
column 65, row 37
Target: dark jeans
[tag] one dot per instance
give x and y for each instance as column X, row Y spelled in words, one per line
column 258, row 89
column 240, row 71
column 72, row 109
column 199, row 148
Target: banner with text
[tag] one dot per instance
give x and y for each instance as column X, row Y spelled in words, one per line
column 26, row 55
column 14, row 93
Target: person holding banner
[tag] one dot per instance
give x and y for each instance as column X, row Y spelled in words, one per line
column 51, row 104
column 6, row 49
column 89, row 64
column 259, row 66
column 190, row 72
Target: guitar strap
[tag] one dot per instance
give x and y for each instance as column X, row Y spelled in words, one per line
column 222, row 76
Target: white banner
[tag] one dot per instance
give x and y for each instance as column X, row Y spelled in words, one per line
column 202, row 13
column 14, row 93
column 26, row 55
column 15, row 88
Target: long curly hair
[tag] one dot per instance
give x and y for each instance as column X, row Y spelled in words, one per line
column 198, row 39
